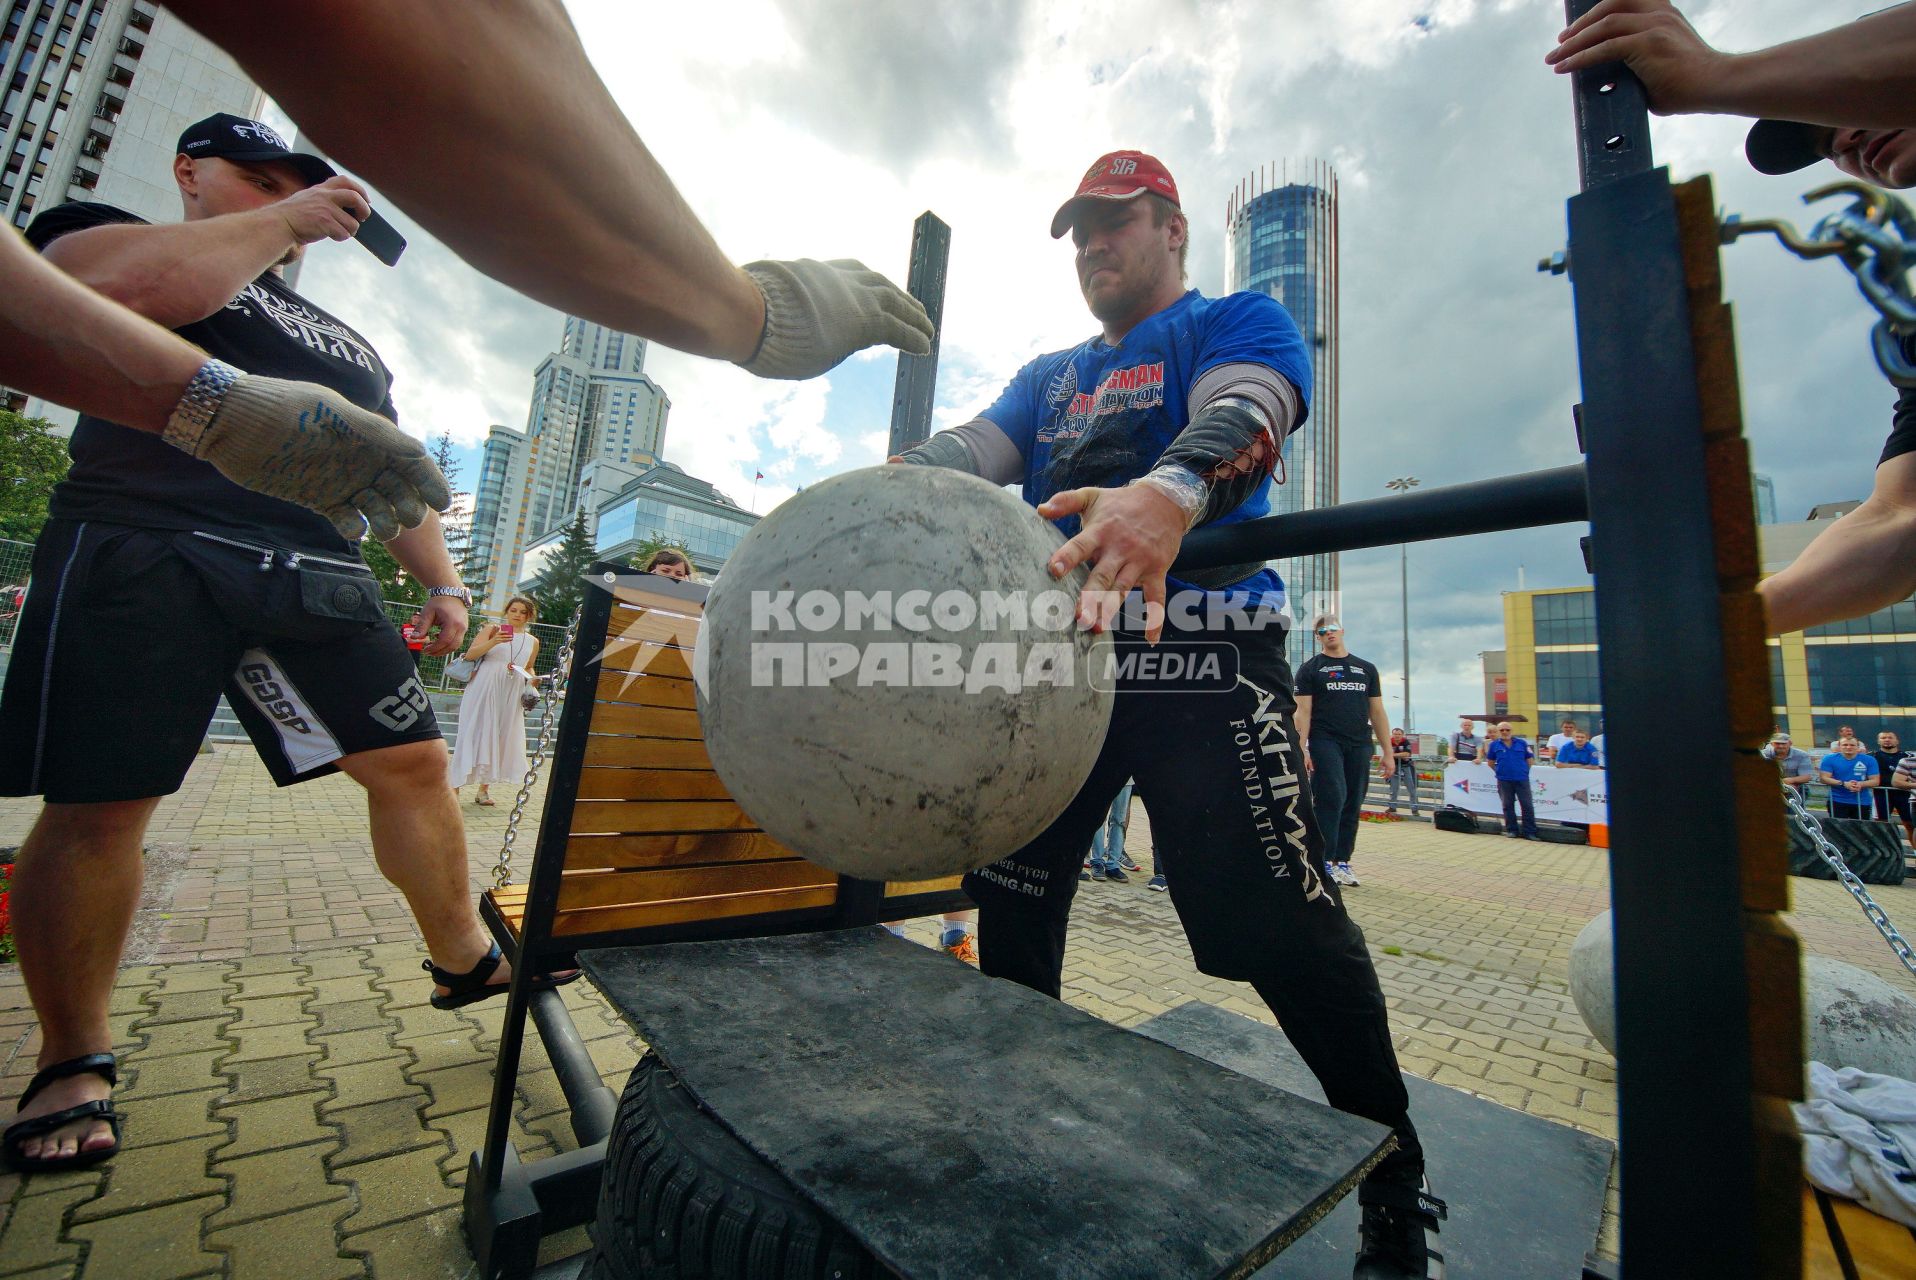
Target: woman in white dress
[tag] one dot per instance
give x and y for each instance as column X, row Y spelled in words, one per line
column 491, row 744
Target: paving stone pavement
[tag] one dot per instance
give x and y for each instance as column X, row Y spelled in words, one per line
column 297, row 1109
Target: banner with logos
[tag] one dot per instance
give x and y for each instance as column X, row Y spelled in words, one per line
column 1559, row 795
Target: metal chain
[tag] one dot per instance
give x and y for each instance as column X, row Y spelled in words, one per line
column 550, row 697
column 1829, row 853
column 1875, row 237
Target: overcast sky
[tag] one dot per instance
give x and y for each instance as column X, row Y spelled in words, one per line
column 822, row 128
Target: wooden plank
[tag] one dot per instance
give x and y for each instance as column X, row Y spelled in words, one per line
column 1819, row 1251
column 649, row 722
column 640, row 594
column 587, row 889
column 900, row 888
column 650, row 753
column 689, row 910
column 651, row 784
column 621, row 687
column 633, row 626
column 657, row 817
column 1763, row 842
column 648, row 658
column 1880, row 1248
column 585, row 853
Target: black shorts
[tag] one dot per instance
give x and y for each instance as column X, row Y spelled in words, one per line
column 129, row 636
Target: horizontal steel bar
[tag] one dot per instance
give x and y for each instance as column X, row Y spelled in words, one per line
column 1524, row 501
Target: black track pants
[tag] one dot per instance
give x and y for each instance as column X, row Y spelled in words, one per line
column 1222, row 781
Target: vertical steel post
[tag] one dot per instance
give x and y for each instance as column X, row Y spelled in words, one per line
column 1699, row 1142
column 918, row 375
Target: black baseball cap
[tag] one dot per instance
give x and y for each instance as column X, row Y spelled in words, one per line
column 1784, row 146
column 229, row 137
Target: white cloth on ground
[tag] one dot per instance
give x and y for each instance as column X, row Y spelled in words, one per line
column 1859, row 1139
column 490, row 745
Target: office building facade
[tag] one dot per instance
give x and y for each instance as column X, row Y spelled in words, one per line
column 591, row 403
column 1860, row 673
column 1281, row 240
column 659, row 504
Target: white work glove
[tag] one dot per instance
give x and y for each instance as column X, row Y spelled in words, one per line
column 307, row 444
column 817, row 313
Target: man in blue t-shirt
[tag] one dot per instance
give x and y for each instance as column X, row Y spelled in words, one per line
column 1174, row 415
column 1578, row 753
column 1849, row 772
column 1510, row 758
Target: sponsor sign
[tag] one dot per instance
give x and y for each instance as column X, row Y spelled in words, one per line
column 1560, row 795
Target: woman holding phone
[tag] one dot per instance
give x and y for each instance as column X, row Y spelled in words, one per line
column 491, row 742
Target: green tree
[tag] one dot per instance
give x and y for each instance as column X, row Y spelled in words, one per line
column 394, row 582
column 562, row 585
column 32, row 461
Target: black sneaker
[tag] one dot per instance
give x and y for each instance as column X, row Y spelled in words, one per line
column 1118, row 875
column 1159, row 884
column 1099, row 873
column 1390, row 1241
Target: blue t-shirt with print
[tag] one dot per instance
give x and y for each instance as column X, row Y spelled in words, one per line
column 1511, row 760
column 1102, row 415
column 1843, row 769
column 1571, row 753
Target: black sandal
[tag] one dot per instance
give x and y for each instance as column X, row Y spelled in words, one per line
column 471, row 986
column 99, row 1064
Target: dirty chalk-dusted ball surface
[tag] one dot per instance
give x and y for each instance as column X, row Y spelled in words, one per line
column 868, row 691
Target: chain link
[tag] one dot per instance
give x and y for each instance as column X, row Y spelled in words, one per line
column 1830, row 854
column 1875, row 237
column 550, row 698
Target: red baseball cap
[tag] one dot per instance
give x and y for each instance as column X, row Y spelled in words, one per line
column 1120, row 175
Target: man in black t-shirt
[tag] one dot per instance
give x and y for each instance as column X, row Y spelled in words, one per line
column 159, row 584
column 1340, row 716
column 1889, row 799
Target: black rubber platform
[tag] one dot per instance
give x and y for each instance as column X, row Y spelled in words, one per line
column 960, row 1126
column 1525, row 1195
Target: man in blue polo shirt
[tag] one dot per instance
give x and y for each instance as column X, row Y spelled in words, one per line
column 1578, row 753
column 1849, row 772
column 1510, row 757
column 1173, row 416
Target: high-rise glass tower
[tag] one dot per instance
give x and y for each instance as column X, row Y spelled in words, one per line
column 1280, row 231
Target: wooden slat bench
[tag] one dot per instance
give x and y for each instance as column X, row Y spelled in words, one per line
column 639, row 842
column 1844, row 1241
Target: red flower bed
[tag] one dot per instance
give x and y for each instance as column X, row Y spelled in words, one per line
column 6, row 911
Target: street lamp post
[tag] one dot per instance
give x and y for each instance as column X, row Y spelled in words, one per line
column 1404, row 484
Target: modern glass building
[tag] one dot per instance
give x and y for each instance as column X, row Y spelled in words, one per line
column 1281, row 240
column 664, row 504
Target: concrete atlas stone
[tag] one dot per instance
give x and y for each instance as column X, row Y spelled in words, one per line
column 1853, row 1018
column 891, row 682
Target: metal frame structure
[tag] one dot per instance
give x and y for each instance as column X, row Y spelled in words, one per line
column 1708, row 1031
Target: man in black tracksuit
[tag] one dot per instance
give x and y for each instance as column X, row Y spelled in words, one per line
column 1173, row 417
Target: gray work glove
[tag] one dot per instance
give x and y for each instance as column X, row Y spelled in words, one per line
column 307, row 444
column 817, row 313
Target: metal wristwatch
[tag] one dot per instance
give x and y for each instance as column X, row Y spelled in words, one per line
column 459, row 593
column 199, row 405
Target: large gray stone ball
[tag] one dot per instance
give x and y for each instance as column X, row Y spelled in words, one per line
column 1853, row 1017
column 844, row 737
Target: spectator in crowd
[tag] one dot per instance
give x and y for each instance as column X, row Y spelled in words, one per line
column 1566, row 733
column 1796, row 766
column 1107, row 842
column 1510, row 757
column 1405, row 778
column 668, row 563
column 1603, row 760
column 1577, row 753
column 491, row 743
column 1888, row 798
column 1340, row 714
column 1465, row 745
column 1847, row 95
column 1849, row 772
column 1843, row 731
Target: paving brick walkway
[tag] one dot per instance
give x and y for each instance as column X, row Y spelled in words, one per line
column 297, row 1109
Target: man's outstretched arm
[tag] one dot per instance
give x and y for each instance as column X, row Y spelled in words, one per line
column 487, row 123
column 1864, row 561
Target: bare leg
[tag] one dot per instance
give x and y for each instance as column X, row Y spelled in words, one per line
column 76, row 884
column 419, row 841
